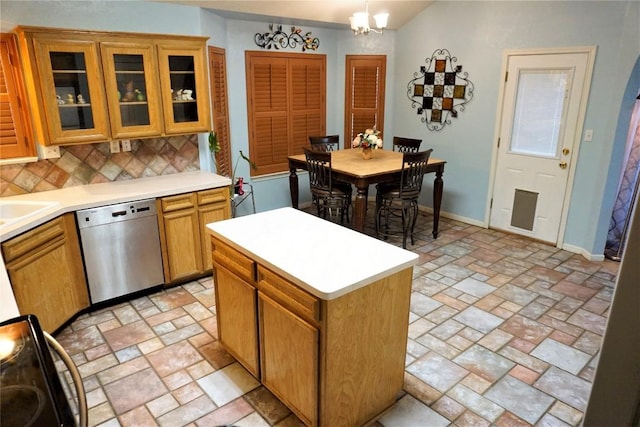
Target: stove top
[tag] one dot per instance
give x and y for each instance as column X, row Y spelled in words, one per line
column 30, row 390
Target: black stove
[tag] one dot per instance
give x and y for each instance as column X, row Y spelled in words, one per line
column 30, row 390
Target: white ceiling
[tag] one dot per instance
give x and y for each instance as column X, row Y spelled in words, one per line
column 331, row 13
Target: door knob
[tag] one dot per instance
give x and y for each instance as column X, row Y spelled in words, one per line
column 565, row 151
column 563, row 165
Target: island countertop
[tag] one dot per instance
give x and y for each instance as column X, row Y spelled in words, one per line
column 323, row 258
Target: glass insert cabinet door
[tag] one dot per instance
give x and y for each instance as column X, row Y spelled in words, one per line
column 73, row 93
column 131, row 82
column 184, row 87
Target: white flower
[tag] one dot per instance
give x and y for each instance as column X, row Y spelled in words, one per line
column 367, row 139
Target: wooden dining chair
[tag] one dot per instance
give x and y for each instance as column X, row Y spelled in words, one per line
column 399, row 200
column 332, row 143
column 406, row 145
column 328, row 198
column 325, row 143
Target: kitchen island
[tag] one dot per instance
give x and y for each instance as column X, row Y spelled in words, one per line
column 317, row 312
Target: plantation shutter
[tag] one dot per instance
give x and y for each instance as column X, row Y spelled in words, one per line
column 308, row 106
column 286, row 103
column 14, row 121
column 364, row 95
column 218, row 73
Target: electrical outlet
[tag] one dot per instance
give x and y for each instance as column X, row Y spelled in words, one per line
column 126, row 144
column 115, row 146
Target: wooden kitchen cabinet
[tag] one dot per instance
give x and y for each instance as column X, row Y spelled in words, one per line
column 236, row 305
column 94, row 86
column 213, row 205
column 182, row 219
column 46, row 273
column 184, row 86
column 289, row 315
column 72, row 90
column 332, row 362
column 132, row 89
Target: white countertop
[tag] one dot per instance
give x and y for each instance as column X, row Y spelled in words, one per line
column 93, row 195
column 323, row 258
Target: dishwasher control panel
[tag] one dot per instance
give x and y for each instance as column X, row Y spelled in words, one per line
column 114, row 213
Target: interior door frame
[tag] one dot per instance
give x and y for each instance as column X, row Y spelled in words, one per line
column 584, row 101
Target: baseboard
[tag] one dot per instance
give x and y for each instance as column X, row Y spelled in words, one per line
column 454, row 217
column 578, row 250
column 570, row 248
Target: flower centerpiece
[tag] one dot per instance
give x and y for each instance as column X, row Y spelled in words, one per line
column 367, row 140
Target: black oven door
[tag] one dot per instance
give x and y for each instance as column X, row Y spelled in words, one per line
column 31, row 393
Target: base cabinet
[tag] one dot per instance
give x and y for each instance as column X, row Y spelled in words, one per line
column 332, row 362
column 46, row 273
column 185, row 249
column 289, row 357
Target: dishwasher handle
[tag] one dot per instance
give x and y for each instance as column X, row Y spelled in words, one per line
column 118, row 213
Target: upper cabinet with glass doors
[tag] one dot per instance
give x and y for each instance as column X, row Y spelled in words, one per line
column 185, row 92
column 132, row 89
column 96, row 86
column 72, row 91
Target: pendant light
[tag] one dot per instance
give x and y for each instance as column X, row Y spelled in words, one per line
column 360, row 21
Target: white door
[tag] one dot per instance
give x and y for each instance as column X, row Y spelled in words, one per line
column 541, row 110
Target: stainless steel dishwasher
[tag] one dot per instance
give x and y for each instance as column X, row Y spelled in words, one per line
column 121, row 248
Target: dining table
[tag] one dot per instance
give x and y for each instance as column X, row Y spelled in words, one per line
column 348, row 165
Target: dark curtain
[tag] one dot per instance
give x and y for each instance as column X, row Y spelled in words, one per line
column 627, row 192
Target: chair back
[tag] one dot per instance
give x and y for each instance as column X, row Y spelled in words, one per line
column 406, row 145
column 319, row 168
column 325, row 143
column 414, row 166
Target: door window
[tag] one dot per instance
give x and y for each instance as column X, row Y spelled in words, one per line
column 540, row 112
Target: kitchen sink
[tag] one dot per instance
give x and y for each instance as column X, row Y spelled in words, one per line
column 12, row 211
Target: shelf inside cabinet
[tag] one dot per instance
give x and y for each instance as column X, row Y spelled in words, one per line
column 69, row 71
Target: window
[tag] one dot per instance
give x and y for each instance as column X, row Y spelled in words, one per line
column 218, row 75
column 364, row 94
column 286, row 104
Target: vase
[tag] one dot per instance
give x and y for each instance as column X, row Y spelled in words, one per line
column 367, row 153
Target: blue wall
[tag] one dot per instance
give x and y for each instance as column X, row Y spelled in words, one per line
column 476, row 32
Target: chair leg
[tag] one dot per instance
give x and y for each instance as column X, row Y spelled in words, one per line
column 406, row 217
column 377, row 219
column 414, row 206
column 387, row 214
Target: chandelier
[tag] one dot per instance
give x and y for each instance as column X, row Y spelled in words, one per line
column 360, row 21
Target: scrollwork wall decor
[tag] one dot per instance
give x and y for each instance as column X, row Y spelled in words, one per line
column 439, row 90
column 278, row 39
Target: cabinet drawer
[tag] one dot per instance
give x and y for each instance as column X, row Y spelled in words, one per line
column 233, row 260
column 175, row 203
column 215, row 195
column 33, row 239
column 284, row 292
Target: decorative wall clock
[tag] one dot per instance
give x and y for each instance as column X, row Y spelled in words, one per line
column 439, row 90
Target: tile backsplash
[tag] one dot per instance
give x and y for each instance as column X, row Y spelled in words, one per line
column 94, row 163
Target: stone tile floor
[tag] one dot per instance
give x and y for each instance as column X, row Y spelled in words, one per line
column 503, row 331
